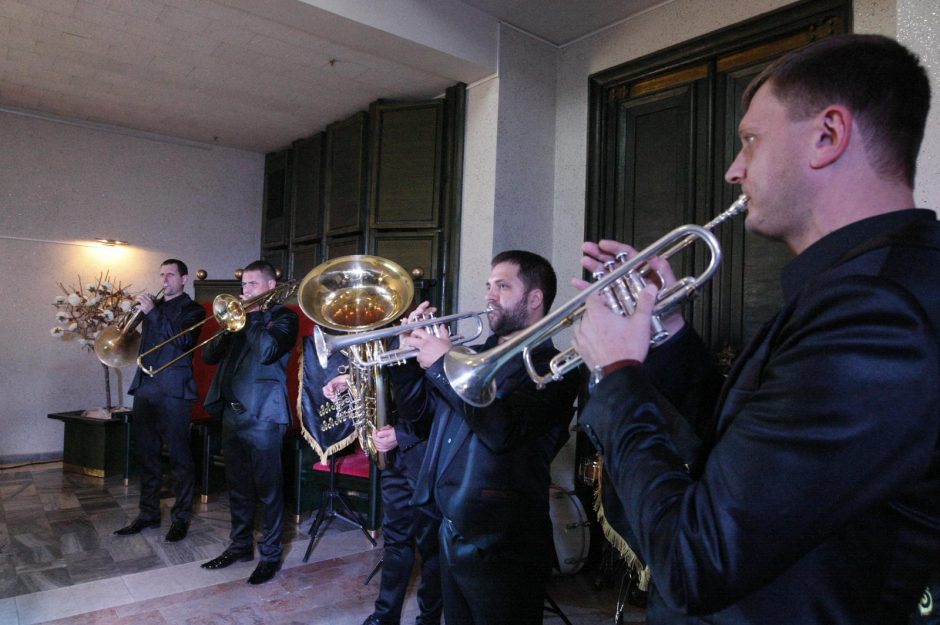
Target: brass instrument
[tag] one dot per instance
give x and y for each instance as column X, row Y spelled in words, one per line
column 359, row 293
column 472, row 375
column 229, row 312
column 118, row 344
column 328, row 344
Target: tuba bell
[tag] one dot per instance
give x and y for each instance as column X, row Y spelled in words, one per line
column 359, row 293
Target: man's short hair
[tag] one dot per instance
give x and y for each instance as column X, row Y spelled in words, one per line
column 181, row 267
column 266, row 269
column 534, row 271
column 878, row 79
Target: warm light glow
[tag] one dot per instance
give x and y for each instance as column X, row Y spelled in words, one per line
column 111, row 242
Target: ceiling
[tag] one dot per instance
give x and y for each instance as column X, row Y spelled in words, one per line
column 247, row 74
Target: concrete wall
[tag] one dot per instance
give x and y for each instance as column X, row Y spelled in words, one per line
column 62, row 184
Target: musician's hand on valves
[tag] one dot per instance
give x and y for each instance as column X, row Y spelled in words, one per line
column 420, row 311
column 336, row 386
column 606, row 250
column 385, row 439
column 603, row 337
column 145, row 302
column 430, row 347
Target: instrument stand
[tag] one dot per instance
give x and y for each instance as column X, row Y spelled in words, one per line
column 554, row 609
column 375, row 570
column 328, row 512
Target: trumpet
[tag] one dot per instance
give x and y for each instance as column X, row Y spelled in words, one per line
column 328, row 344
column 472, row 375
column 229, row 312
column 118, row 343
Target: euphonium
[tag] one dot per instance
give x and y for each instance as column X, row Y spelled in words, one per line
column 118, row 344
column 472, row 375
column 358, row 293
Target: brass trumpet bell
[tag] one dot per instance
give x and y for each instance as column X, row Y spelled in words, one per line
column 355, row 293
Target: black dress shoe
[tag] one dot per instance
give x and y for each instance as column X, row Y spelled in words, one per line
column 177, row 531
column 264, row 572
column 228, row 558
column 136, row 526
column 372, row 619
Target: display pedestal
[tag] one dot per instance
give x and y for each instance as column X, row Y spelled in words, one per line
column 96, row 447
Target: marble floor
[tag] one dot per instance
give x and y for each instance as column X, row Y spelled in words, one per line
column 61, row 564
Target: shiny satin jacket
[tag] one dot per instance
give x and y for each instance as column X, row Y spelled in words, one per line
column 260, row 380
column 492, row 479
column 165, row 321
column 815, row 497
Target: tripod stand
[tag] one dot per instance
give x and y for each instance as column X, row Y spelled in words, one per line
column 328, row 511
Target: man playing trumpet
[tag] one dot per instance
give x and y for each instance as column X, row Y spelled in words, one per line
column 485, row 474
column 812, row 498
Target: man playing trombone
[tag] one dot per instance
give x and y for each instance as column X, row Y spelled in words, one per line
column 162, row 403
column 249, row 392
column 486, row 470
column 812, row 498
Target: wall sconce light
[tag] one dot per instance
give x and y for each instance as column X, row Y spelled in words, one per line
column 111, row 242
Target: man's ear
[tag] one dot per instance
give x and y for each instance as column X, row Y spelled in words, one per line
column 832, row 133
column 184, row 279
column 535, row 299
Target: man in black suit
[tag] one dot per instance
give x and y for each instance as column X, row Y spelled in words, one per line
column 405, row 530
column 249, row 392
column 162, row 404
column 814, row 494
column 486, row 470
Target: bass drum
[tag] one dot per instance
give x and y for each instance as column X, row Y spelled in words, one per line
column 571, row 530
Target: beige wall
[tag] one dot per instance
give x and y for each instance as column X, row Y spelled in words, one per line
column 60, row 183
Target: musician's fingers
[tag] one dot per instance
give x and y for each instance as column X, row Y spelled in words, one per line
column 580, row 284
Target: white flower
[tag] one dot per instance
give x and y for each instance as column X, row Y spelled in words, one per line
column 93, row 301
column 61, row 315
column 106, row 286
column 126, row 305
column 59, row 299
column 72, row 327
column 91, row 288
column 108, row 315
column 57, row 331
column 74, row 299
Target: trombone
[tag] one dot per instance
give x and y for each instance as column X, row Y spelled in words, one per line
column 117, row 344
column 229, row 312
column 328, row 344
column 472, row 375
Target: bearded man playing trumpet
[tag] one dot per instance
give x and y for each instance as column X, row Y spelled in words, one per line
column 485, row 474
column 812, row 497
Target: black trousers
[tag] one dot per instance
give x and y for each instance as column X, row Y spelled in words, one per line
column 481, row 588
column 159, row 419
column 252, row 452
column 405, row 529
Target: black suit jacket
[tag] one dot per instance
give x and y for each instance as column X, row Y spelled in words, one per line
column 158, row 326
column 492, row 479
column 816, row 494
column 260, row 374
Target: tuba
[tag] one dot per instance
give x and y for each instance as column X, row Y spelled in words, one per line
column 118, row 344
column 359, row 293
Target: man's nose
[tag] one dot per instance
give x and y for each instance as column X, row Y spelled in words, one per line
column 736, row 171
